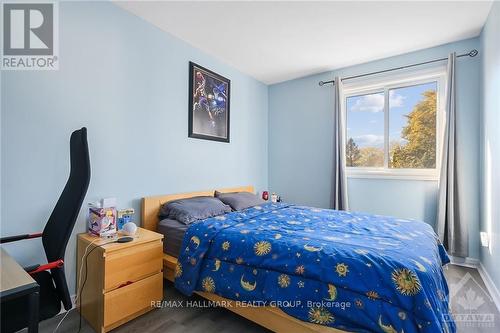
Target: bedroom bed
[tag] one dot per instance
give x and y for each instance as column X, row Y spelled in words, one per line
column 356, row 259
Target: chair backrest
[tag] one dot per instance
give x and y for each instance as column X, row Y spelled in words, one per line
column 60, row 225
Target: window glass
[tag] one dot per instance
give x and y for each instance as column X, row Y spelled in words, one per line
column 365, row 130
column 412, row 126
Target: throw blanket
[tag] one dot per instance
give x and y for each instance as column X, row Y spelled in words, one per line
column 352, row 271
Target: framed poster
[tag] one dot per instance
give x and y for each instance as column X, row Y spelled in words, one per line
column 209, row 95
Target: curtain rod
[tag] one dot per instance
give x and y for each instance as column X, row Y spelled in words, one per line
column 472, row 53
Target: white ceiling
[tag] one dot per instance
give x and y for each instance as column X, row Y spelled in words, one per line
column 278, row 41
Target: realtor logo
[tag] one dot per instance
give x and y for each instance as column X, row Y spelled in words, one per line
column 30, row 36
column 472, row 306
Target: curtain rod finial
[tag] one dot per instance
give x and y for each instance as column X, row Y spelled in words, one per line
column 321, row 83
column 473, row 53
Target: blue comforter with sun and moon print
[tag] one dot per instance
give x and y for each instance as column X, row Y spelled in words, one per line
column 352, row 271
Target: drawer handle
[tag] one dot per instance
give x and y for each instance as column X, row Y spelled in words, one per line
column 125, row 284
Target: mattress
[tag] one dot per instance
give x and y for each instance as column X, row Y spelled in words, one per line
column 173, row 232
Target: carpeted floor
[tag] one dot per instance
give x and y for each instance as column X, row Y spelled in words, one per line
column 469, row 296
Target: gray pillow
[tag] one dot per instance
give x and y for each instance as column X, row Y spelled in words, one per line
column 191, row 209
column 239, row 200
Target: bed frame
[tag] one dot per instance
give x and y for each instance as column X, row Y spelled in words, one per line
column 270, row 317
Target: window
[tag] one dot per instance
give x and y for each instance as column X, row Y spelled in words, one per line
column 393, row 127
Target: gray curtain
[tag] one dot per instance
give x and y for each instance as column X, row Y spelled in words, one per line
column 451, row 229
column 339, row 182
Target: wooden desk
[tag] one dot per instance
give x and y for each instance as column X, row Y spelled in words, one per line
column 15, row 283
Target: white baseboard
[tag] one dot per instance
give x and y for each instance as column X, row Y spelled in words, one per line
column 490, row 285
column 466, row 262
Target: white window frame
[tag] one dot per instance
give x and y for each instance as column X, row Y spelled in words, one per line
column 382, row 85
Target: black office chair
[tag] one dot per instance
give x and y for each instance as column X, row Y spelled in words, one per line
column 55, row 236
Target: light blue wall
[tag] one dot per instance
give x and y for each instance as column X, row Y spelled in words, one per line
column 301, row 135
column 490, row 142
column 127, row 81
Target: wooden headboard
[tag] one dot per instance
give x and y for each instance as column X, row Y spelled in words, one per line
column 151, row 205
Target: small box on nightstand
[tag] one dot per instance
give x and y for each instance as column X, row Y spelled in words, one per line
column 123, row 279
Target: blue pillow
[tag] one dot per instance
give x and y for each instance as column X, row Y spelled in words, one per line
column 239, row 200
column 192, row 209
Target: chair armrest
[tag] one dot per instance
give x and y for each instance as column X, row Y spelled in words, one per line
column 9, row 239
column 51, row 265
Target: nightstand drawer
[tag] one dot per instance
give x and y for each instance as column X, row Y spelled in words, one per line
column 122, row 304
column 132, row 264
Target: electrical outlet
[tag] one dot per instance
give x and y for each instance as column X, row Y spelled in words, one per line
column 485, row 239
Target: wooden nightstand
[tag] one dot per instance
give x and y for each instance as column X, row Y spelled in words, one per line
column 123, row 278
